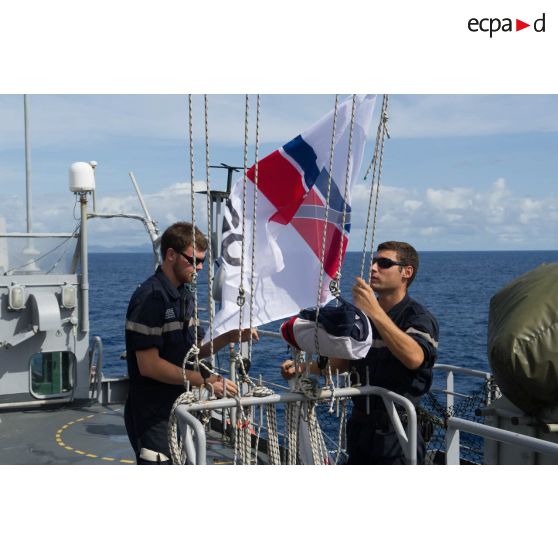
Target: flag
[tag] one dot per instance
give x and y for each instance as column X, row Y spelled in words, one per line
column 292, row 186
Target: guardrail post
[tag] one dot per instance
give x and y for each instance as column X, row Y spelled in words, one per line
column 450, row 388
column 452, row 446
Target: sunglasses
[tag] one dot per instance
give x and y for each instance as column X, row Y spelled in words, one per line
column 386, row 263
column 190, row 259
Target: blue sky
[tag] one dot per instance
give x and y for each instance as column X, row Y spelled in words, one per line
column 461, row 172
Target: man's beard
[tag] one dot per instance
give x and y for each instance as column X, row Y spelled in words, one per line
column 182, row 275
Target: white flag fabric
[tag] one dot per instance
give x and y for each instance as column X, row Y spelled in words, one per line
column 292, row 188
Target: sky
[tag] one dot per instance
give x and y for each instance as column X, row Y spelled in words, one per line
column 460, row 172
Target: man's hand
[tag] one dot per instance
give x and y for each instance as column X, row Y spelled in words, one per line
column 226, row 338
column 219, row 383
column 365, row 299
column 247, row 333
column 288, row 370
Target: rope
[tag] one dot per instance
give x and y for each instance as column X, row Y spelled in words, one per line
column 372, row 164
column 241, row 299
column 192, row 202
column 259, row 412
column 177, row 451
column 292, row 418
column 305, row 411
column 211, row 305
column 246, row 438
column 342, row 435
column 335, row 286
column 273, row 453
column 309, row 387
column 377, row 136
column 382, row 142
column 324, row 236
column 250, row 341
column 194, row 351
column 319, row 450
column 273, row 442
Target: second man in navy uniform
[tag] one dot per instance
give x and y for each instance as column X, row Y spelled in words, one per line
column 159, row 333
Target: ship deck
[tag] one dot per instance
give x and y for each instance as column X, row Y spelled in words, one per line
column 79, row 434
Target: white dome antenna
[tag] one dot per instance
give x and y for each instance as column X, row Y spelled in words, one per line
column 82, row 177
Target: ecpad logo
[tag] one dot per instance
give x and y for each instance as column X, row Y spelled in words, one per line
column 492, row 25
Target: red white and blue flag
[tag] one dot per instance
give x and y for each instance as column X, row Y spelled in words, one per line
column 292, row 185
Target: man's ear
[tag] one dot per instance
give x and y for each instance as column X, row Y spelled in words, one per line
column 170, row 255
column 408, row 271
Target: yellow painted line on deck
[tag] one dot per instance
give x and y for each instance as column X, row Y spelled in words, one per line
column 60, row 442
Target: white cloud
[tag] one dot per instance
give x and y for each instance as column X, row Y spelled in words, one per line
column 447, row 200
column 167, row 206
column 460, row 218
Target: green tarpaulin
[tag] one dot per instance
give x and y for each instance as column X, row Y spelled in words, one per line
column 523, row 339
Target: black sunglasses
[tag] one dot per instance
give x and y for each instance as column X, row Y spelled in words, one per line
column 386, row 263
column 190, row 259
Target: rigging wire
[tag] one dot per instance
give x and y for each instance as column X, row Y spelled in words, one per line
column 337, row 284
column 383, row 124
column 371, row 166
column 241, row 299
column 254, row 223
column 211, row 303
column 324, row 236
column 192, row 202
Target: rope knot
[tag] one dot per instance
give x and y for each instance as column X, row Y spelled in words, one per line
column 310, row 387
column 261, row 391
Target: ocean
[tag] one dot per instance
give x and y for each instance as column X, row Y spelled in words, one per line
column 455, row 286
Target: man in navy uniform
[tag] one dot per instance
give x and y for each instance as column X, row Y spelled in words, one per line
column 159, row 333
column 404, row 350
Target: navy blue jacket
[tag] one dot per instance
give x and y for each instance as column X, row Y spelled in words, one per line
column 159, row 315
column 386, row 370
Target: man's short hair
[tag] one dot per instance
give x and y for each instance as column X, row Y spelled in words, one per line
column 180, row 236
column 406, row 254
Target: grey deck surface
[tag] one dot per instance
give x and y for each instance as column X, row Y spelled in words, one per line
column 80, row 434
column 86, row 434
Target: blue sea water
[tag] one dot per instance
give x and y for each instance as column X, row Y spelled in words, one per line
column 455, row 286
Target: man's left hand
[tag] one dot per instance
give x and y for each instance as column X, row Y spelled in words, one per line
column 246, row 334
column 364, row 298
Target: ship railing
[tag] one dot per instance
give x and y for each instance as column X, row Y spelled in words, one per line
column 444, row 390
column 36, row 253
column 96, row 368
column 195, row 444
column 450, row 373
column 456, row 425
